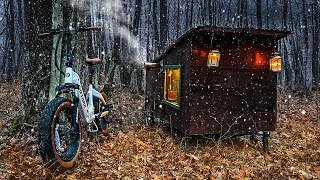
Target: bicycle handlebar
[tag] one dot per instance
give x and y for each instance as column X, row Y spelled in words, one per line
column 80, row 29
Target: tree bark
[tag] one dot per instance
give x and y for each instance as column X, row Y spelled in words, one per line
column 22, row 36
column 163, row 24
column 137, row 16
column 12, row 42
column 155, row 29
column 316, row 31
column 259, row 14
column 55, row 79
column 36, row 67
column 285, row 14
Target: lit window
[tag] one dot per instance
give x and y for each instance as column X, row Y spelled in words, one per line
column 172, row 85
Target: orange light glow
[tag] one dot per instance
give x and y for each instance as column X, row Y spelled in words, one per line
column 195, row 52
column 203, row 54
column 260, row 59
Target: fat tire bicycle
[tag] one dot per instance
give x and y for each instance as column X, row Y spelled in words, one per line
column 60, row 128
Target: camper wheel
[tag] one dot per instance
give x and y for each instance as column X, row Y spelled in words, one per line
column 186, row 143
column 265, row 139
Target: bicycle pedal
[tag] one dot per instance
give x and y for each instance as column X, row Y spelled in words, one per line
column 103, row 114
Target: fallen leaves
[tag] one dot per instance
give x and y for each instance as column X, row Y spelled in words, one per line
column 139, row 152
column 71, row 177
column 139, row 142
column 192, row 156
column 317, row 170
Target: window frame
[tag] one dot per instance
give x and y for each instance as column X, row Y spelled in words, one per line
column 164, row 101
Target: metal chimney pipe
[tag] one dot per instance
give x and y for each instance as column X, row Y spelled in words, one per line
column 151, row 65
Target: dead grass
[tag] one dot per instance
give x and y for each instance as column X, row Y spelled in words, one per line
column 141, row 152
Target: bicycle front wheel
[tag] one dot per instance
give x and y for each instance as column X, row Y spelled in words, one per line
column 58, row 138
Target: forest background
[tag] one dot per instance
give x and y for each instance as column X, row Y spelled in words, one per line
column 134, row 32
column 137, row 31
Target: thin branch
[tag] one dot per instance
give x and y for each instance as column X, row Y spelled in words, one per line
column 4, row 30
column 5, row 13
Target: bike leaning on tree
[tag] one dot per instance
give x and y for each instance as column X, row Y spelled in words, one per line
column 61, row 122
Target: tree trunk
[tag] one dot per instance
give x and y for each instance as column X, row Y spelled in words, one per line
column 259, row 14
column 12, row 42
column 36, row 68
column 308, row 47
column 156, row 27
column 55, row 79
column 178, row 19
column 163, row 24
column 22, row 36
column 137, row 16
column 268, row 14
column 316, row 31
column 210, row 7
column 285, row 14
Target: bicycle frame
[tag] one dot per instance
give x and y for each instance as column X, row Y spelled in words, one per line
column 72, row 82
column 86, row 108
column 80, row 108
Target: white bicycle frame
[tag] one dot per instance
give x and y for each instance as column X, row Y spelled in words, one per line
column 86, row 108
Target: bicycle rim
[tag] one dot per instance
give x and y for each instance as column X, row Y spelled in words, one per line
column 66, row 141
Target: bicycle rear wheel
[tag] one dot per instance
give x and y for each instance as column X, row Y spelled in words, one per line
column 58, row 139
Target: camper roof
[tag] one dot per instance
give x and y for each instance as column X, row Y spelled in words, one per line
column 278, row 34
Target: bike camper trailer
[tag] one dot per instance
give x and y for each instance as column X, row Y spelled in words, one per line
column 217, row 81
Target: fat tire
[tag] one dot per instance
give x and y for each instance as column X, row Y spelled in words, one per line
column 44, row 129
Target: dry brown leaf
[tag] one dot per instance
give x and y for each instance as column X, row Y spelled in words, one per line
column 192, row 156
column 206, row 156
column 71, row 177
column 317, row 169
column 156, row 177
column 188, row 169
column 138, row 141
column 243, row 173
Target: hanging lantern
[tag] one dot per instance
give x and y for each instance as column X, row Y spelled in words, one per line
column 276, row 63
column 213, row 58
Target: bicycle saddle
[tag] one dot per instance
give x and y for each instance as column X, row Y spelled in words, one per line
column 93, row 61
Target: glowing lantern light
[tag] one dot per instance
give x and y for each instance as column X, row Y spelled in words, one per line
column 213, row 58
column 276, row 63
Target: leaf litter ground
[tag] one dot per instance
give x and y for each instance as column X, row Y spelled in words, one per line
column 140, row 152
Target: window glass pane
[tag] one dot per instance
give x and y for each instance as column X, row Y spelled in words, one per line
column 172, row 85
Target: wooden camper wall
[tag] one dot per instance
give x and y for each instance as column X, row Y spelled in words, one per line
column 178, row 55
column 238, row 96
